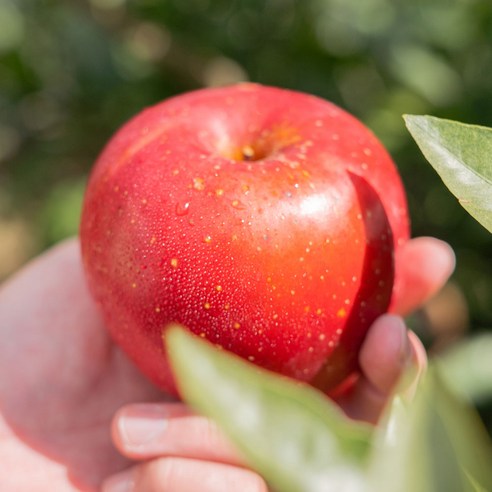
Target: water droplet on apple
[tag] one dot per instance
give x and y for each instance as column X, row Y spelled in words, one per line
column 199, row 184
column 238, row 205
column 341, row 313
column 182, row 208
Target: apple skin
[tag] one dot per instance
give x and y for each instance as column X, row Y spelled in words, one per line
column 261, row 219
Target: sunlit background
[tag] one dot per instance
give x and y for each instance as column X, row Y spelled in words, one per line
column 71, row 72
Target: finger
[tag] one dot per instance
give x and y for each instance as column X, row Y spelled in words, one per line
column 422, row 267
column 184, row 475
column 143, row 431
column 387, row 351
column 419, row 363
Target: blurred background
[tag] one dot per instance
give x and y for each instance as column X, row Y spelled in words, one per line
column 71, row 72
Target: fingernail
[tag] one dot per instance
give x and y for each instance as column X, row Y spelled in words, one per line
column 142, row 425
column 405, row 348
column 121, row 482
column 415, row 368
column 399, row 338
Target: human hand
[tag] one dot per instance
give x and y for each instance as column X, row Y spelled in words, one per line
column 182, row 451
column 61, row 380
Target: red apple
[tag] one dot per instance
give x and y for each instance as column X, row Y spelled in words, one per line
column 263, row 220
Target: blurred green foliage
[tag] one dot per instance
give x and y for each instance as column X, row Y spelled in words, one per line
column 71, row 72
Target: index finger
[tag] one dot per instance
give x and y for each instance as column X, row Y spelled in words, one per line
column 422, row 267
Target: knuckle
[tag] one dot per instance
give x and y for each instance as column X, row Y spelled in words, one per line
column 159, row 475
column 173, row 474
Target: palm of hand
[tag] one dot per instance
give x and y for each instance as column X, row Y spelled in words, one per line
column 62, row 379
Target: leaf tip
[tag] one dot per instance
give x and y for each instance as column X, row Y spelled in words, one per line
column 171, row 334
column 412, row 120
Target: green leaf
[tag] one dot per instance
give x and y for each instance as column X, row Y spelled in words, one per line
column 436, row 443
column 293, row 435
column 462, row 156
column 475, row 486
column 467, row 368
